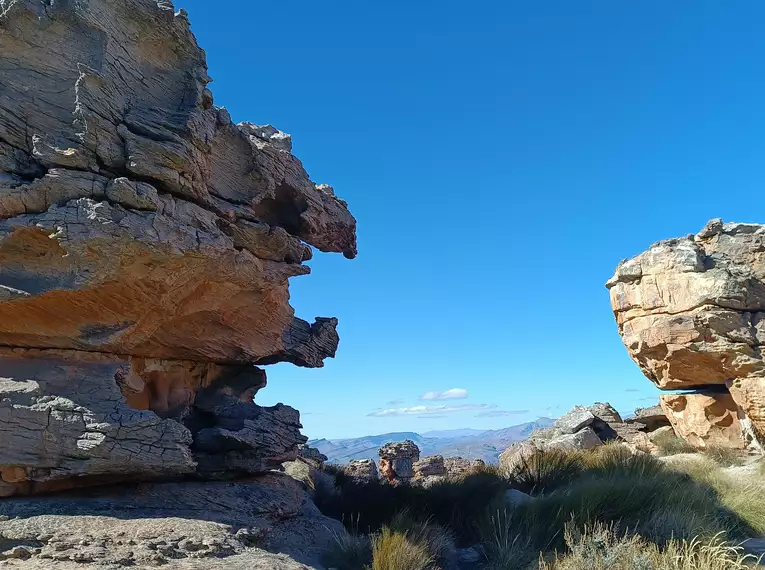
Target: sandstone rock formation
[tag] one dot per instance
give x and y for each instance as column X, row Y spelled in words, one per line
column 456, row 466
column 146, row 243
column 705, row 420
column 690, row 312
column 432, row 466
column 362, row 470
column 397, row 460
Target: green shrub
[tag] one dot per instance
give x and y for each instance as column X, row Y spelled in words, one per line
column 456, row 504
column 546, row 470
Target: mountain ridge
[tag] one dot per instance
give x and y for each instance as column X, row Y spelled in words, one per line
column 467, row 443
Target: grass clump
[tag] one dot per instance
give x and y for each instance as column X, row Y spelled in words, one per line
column 503, row 547
column 671, row 444
column 393, row 550
column 547, row 470
column 601, row 547
column 724, row 456
column 349, row 551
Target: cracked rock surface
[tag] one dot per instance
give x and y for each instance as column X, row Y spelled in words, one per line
column 268, row 522
column 146, row 244
column 691, row 312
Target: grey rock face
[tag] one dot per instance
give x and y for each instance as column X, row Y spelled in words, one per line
column 605, row 412
column 430, row 466
column 146, row 247
column 456, row 466
column 362, row 470
column 93, row 419
column 573, row 421
column 311, row 454
column 649, row 419
column 269, row 523
column 517, row 455
column 583, row 439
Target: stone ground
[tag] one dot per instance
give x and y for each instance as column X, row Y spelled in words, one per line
column 267, row 523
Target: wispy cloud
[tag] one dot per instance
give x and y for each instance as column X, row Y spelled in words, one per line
column 632, row 390
column 650, row 399
column 397, row 402
column 429, row 410
column 501, row 413
column 433, row 417
column 453, row 394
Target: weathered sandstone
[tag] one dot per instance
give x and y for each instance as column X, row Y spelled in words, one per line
column 690, row 312
column 705, row 420
column 146, row 244
column 397, row 460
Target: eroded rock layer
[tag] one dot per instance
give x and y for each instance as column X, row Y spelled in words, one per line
column 691, row 312
column 146, row 243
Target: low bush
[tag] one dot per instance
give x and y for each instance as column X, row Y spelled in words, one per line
column 547, row 470
column 456, row 504
column 600, row 547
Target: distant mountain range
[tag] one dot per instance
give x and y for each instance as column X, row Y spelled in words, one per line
column 467, row 443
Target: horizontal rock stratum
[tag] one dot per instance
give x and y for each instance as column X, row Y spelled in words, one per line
column 146, row 244
column 691, row 312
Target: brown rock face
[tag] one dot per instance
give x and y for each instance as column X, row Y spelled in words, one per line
column 146, row 243
column 690, row 312
column 705, row 420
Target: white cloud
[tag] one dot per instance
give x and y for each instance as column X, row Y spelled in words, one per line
column 429, row 410
column 397, row 402
column 501, row 413
column 453, row 394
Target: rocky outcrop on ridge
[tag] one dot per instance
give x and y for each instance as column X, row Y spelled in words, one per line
column 690, row 312
column 397, row 460
column 587, row 428
column 146, row 244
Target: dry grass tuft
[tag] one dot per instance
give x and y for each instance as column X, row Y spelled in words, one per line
column 397, row 551
column 600, row 547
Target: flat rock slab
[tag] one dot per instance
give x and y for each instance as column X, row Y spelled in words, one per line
column 176, row 525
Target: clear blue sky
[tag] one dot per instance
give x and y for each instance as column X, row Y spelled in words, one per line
column 501, row 158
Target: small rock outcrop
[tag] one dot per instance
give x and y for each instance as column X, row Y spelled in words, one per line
column 457, row 466
column 397, row 460
column 691, row 312
column 587, row 428
column 362, row 470
column 432, row 466
column 146, row 247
